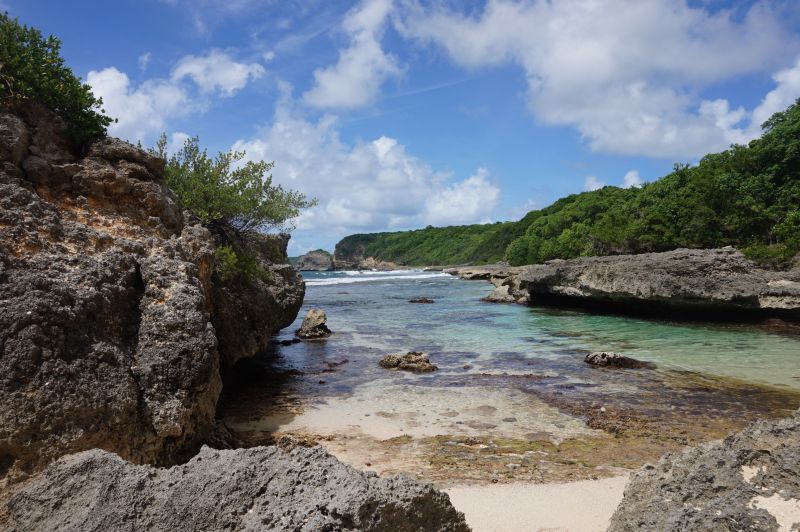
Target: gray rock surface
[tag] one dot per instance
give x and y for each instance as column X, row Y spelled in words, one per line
column 263, row 488
column 106, row 336
column 413, row 361
column 318, row 261
column 721, row 279
column 314, row 325
column 749, row 481
column 615, row 360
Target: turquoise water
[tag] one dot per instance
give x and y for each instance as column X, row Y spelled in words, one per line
column 371, row 315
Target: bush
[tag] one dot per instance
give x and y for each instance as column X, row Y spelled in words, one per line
column 226, row 194
column 231, row 264
column 32, row 70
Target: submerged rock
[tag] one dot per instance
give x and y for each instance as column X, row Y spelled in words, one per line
column 615, row 360
column 264, row 488
column 749, row 481
column 413, row 361
column 421, row 300
column 313, row 326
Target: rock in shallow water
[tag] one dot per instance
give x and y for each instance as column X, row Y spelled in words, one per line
column 413, row 361
column 426, row 300
column 749, row 481
column 615, row 360
column 264, row 488
column 313, row 326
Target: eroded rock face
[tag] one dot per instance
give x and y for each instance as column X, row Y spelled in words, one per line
column 263, row 488
column 106, row 336
column 314, row 326
column 413, row 361
column 248, row 311
column 710, row 279
column 749, row 481
column 317, row 261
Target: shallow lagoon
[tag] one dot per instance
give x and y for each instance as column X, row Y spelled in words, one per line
column 512, row 399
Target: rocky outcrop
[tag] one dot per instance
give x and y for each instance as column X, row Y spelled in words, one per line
column 314, row 326
column 263, row 488
column 709, row 280
column 318, row 260
column 509, row 287
column 247, row 311
column 412, row 361
column 112, row 326
column 709, row 284
column 606, row 359
column 749, row 481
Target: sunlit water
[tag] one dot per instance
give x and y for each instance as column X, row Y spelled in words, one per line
column 371, row 314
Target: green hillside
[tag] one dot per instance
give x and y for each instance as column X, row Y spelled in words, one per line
column 746, row 196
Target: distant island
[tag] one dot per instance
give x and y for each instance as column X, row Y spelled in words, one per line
column 746, row 196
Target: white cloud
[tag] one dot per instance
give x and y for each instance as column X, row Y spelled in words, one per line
column 625, row 73
column 217, row 71
column 356, row 78
column 367, row 186
column 631, row 179
column 176, row 142
column 787, row 90
column 144, row 60
column 141, row 110
column 592, row 183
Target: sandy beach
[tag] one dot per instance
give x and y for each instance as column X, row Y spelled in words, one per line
column 581, row 506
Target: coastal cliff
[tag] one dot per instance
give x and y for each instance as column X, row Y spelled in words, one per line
column 114, row 325
column 714, row 284
column 113, row 331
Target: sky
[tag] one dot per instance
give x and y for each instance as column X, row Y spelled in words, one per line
column 397, row 114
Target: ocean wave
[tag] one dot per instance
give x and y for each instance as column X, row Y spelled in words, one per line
column 373, row 276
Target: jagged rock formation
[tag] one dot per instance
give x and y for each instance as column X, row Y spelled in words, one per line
column 107, row 327
column 749, row 481
column 314, row 326
column 263, row 488
column 688, row 279
column 318, row 260
column 706, row 283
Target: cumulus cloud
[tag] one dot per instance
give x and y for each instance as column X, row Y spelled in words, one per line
column 365, row 186
column 145, row 109
column 592, row 183
column 631, row 179
column 140, row 110
column 217, row 71
column 363, row 66
column 625, row 73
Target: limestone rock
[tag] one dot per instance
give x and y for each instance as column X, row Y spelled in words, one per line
column 413, row 361
column 749, row 481
column 108, row 300
column 314, row 326
column 714, row 283
column 318, row 260
column 615, row 360
column 263, row 488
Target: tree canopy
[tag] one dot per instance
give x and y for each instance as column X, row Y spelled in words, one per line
column 32, row 70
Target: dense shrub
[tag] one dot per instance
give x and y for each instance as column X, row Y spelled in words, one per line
column 32, row 70
column 223, row 192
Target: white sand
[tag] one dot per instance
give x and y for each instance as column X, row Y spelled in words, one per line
column 586, row 505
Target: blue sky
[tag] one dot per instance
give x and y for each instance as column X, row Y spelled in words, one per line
column 399, row 114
